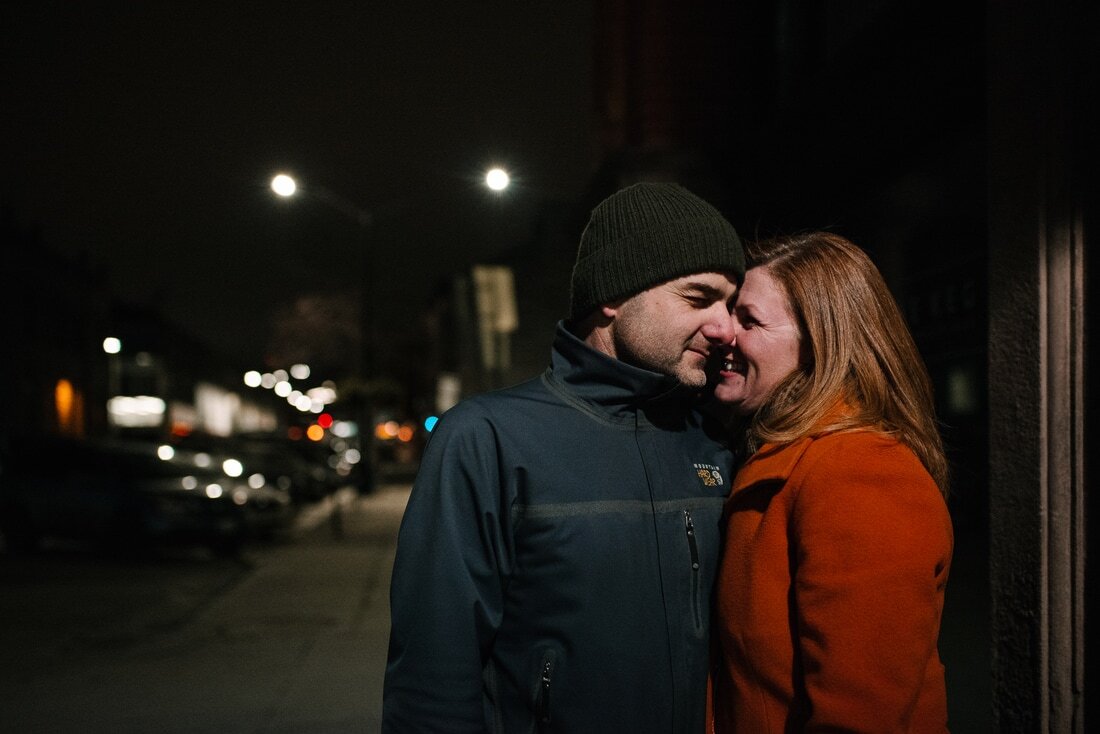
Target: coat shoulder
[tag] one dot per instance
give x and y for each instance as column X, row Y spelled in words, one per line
column 867, row 468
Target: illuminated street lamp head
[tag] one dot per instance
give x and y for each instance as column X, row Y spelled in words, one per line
column 284, row 185
column 497, row 179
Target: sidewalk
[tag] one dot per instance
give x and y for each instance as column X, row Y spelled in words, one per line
column 296, row 645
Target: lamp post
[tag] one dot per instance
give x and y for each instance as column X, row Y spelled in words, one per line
column 112, row 346
column 286, row 186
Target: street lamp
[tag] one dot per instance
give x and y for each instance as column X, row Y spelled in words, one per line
column 497, row 179
column 286, row 186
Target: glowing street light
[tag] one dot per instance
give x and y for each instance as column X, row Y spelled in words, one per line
column 284, row 185
column 497, row 179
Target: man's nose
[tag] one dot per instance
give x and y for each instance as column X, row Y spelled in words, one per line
column 720, row 328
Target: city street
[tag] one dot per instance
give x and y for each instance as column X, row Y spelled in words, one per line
column 290, row 637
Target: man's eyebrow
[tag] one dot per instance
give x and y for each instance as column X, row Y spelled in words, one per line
column 705, row 290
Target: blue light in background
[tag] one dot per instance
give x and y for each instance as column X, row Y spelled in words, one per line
column 429, row 422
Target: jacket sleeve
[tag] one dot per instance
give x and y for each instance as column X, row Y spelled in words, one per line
column 446, row 590
column 872, row 542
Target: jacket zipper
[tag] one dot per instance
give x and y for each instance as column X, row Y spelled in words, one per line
column 689, row 528
column 542, row 707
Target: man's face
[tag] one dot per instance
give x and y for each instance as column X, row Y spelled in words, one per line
column 675, row 326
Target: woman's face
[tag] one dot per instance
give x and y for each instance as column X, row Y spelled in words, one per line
column 766, row 345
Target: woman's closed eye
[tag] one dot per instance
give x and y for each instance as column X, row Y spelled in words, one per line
column 747, row 320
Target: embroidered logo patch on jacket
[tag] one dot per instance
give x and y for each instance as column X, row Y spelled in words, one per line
column 709, row 474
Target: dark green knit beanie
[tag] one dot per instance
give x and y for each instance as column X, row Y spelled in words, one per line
column 646, row 234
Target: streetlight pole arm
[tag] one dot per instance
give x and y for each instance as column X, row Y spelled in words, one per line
column 363, row 217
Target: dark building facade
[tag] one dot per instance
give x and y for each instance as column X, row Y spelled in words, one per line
column 54, row 314
column 56, row 311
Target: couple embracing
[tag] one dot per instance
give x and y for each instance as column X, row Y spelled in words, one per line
column 719, row 509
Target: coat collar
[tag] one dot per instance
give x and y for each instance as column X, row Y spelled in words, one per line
column 771, row 463
column 608, row 385
column 775, row 462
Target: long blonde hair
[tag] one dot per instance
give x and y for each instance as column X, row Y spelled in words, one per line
column 860, row 352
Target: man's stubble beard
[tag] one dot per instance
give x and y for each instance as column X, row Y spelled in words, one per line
column 641, row 349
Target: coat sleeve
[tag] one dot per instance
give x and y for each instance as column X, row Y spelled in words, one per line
column 446, row 590
column 871, row 545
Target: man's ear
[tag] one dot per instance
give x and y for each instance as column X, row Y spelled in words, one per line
column 610, row 310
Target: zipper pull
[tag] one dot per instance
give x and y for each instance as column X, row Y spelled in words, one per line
column 689, row 527
column 544, row 694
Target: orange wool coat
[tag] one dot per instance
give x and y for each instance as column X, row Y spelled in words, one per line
column 830, row 591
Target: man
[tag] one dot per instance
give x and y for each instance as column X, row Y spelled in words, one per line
column 555, row 562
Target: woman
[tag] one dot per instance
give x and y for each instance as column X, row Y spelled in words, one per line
column 838, row 541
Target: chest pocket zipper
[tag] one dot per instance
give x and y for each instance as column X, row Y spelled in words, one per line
column 542, row 704
column 693, row 547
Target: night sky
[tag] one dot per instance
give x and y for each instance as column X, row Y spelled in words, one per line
column 144, row 134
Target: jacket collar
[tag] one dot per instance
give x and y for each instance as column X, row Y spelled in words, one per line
column 771, row 463
column 609, row 386
column 775, row 462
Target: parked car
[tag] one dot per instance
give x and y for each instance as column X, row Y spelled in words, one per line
column 308, row 479
column 264, row 505
column 277, row 460
column 122, row 493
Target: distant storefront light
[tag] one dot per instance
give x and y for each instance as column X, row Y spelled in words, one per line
column 140, row 411
column 324, row 394
column 112, row 345
column 67, row 404
column 345, row 429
